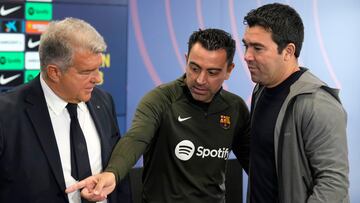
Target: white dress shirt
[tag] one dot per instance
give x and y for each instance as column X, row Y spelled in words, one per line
column 60, row 120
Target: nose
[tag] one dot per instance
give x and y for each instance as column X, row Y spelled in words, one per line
column 202, row 77
column 248, row 56
column 97, row 77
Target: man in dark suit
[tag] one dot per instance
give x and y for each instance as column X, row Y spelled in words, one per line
column 36, row 163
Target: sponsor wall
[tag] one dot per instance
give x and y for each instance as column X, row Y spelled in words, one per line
column 21, row 26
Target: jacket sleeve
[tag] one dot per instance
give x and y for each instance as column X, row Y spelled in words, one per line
column 241, row 142
column 323, row 127
column 132, row 145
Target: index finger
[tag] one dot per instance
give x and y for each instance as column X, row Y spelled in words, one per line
column 76, row 186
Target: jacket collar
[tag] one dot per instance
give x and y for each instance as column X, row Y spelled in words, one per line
column 306, row 84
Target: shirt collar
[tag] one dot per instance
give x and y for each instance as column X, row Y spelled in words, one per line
column 54, row 102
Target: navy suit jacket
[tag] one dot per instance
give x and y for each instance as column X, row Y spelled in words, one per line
column 30, row 166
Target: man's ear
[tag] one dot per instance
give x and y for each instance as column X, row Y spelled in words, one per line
column 53, row 73
column 289, row 51
column 229, row 70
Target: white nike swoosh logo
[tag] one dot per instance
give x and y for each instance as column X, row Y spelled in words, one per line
column 4, row 81
column 183, row 119
column 5, row 12
column 32, row 44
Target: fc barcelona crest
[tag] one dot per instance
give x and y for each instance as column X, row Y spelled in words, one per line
column 225, row 121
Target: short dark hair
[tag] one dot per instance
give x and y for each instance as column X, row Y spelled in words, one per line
column 214, row 39
column 282, row 21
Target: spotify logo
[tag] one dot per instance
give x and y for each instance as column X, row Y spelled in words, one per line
column 184, row 150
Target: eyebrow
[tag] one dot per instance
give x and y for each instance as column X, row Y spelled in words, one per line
column 252, row 43
column 86, row 70
column 197, row 65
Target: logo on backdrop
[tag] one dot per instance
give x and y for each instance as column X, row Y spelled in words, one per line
column 12, row 26
column 11, row 78
column 12, row 10
column 12, row 42
column 38, row 11
column 32, row 42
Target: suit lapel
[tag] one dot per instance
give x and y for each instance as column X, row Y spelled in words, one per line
column 105, row 126
column 39, row 116
column 98, row 114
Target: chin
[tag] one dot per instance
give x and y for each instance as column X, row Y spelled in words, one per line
column 255, row 80
column 201, row 99
column 86, row 98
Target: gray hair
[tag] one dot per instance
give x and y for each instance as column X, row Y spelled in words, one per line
column 62, row 38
